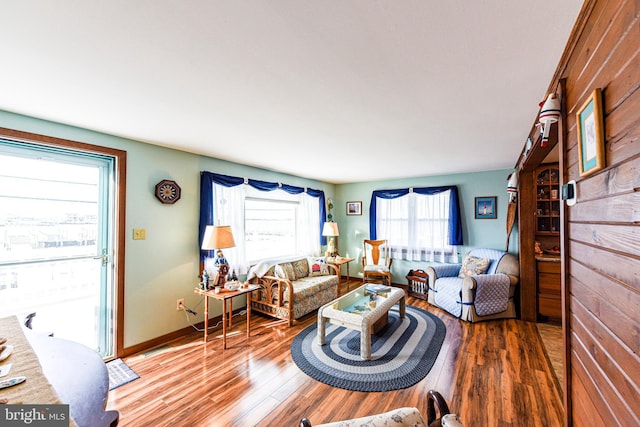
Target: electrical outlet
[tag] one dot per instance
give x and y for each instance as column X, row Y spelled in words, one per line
column 180, row 304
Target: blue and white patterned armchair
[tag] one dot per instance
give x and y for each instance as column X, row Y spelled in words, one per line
column 481, row 288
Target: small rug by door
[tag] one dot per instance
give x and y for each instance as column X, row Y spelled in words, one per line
column 119, row 374
column 402, row 353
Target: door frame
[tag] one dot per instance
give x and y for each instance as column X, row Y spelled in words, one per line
column 120, row 175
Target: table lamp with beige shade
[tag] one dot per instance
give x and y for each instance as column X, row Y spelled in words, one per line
column 330, row 229
column 218, row 237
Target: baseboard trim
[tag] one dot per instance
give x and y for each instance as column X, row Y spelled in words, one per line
column 172, row 336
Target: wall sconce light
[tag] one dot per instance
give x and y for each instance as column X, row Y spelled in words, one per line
column 549, row 113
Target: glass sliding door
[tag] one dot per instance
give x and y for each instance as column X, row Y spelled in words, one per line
column 56, row 241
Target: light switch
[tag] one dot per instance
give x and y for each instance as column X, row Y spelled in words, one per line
column 139, row 234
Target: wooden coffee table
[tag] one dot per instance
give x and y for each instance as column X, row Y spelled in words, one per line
column 354, row 311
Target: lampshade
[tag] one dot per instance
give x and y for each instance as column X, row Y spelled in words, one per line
column 330, row 229
column 218, row 237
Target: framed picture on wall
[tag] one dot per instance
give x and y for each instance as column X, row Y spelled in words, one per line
column 485, row 207
column 591, row 134
column 354, row 208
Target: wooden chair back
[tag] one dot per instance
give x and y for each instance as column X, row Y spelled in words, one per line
column 373, row 249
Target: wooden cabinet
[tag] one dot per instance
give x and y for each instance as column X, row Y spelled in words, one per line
column 548, row 200
column 547, row 231
column 548, row 289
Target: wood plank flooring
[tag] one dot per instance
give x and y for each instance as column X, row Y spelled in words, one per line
column 492, row 373
column 551, row 335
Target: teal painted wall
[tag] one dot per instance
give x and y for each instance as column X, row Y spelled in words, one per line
column 164, row 267
column 476, row 232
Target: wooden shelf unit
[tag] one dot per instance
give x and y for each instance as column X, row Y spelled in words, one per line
column 548, row 200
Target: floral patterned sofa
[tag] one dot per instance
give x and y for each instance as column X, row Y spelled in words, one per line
column 403, row 417
column 292, row 288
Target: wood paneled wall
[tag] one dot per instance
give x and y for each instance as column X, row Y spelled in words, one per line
column 602, row 231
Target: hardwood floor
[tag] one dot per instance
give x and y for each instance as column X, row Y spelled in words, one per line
column 491, row 373
column 551, row 335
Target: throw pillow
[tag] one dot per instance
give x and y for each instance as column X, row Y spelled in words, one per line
column 288, row 271
column 318, row 267
column 472, row 266
column 300, row 268
column 278, row 271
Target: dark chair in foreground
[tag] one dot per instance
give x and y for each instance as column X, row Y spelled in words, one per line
column 403, row 417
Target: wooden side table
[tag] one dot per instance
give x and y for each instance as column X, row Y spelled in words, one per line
column 223, row 296
column 339, row 263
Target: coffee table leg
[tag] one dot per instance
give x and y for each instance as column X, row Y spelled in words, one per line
column 322, row 323
column 365, row 341
column 403, row 307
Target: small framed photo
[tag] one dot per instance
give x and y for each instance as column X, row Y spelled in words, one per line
column 591, row 134
column 486, row 207
column 354, row 208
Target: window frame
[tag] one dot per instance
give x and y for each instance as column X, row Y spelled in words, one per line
column 274, row 200
column 411, row 249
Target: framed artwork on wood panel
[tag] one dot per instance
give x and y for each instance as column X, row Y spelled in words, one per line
column 591, row 134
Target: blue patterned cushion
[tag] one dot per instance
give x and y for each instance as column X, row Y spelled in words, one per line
column 472, row 266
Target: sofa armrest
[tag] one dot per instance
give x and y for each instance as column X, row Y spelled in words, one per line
column 472, row 282
column 272, row 284
column 442, row 270
column 492, row 287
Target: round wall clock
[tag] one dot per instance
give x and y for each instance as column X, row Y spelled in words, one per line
column 168, row 191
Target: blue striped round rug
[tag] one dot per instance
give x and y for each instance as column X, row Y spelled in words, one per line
column 402, row 353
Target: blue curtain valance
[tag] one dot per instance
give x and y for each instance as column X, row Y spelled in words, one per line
column 208, row 179
column 455, row 221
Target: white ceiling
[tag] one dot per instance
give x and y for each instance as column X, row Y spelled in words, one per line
column 336, row 90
